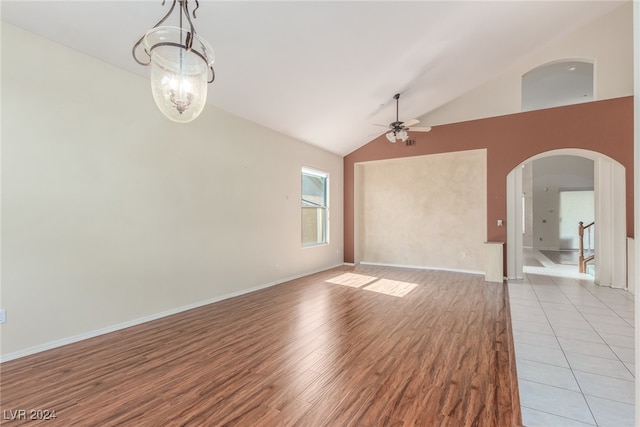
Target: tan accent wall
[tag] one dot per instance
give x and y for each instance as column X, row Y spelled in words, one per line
column 426, row 211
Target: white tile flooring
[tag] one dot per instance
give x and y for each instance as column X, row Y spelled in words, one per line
column 574, row 345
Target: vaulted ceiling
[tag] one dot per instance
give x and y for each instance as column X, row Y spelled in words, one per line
column 325, row 72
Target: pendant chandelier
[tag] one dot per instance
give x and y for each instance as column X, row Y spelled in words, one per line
column 181, row 64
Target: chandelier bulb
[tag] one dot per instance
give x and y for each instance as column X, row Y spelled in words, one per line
column 391, row 137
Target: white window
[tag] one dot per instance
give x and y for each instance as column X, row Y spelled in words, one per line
column 315, row 207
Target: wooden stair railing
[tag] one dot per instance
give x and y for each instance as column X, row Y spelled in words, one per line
column 582, row 261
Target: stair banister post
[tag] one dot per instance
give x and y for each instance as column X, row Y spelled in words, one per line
column 581, row 266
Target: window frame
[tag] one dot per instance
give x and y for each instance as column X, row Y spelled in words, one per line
column 324, row 207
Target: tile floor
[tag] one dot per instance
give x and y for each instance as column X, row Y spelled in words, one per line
column 574, row 345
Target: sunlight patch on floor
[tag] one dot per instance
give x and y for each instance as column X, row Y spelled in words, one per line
column 391, row 287
column 351, row 279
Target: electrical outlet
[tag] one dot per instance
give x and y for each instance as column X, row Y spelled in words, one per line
column 3, row 315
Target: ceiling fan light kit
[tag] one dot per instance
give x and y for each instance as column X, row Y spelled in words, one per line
column 399, row 129
column 393, row 136
column 181, row 64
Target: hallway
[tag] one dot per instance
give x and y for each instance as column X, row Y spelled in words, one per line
column 574, row 345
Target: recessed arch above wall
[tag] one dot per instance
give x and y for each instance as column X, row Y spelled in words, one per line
column 608, row 41
column 557, row 83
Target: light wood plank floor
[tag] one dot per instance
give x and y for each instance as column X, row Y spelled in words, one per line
column 351, row 346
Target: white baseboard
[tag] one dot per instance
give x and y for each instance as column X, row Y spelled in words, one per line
column 544, row 248
column 102, row 331
column 422, row 267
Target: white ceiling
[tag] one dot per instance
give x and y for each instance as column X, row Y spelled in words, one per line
column 325, row 72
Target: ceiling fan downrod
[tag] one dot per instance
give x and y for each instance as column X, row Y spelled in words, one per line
column 397, row 98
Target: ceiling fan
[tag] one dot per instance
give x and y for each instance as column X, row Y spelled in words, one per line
column 399, row 129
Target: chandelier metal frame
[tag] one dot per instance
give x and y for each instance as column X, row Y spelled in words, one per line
column 187, row 44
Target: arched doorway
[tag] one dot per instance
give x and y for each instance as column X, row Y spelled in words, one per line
column 610, row 217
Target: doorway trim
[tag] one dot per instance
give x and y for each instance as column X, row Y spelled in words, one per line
column 610, row 216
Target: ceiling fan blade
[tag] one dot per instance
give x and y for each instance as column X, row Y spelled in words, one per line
column 420, row 129
column 384, row 126
column 411, row 122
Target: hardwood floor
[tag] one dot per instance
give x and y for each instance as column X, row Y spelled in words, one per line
column 352, row 346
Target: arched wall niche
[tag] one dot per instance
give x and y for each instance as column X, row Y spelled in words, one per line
column 557, row 83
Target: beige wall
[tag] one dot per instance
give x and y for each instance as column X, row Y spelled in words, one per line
column 112, row 214
column 427, row 211
column 607, row 41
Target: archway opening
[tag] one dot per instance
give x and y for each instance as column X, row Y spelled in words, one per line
column 609, row 214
